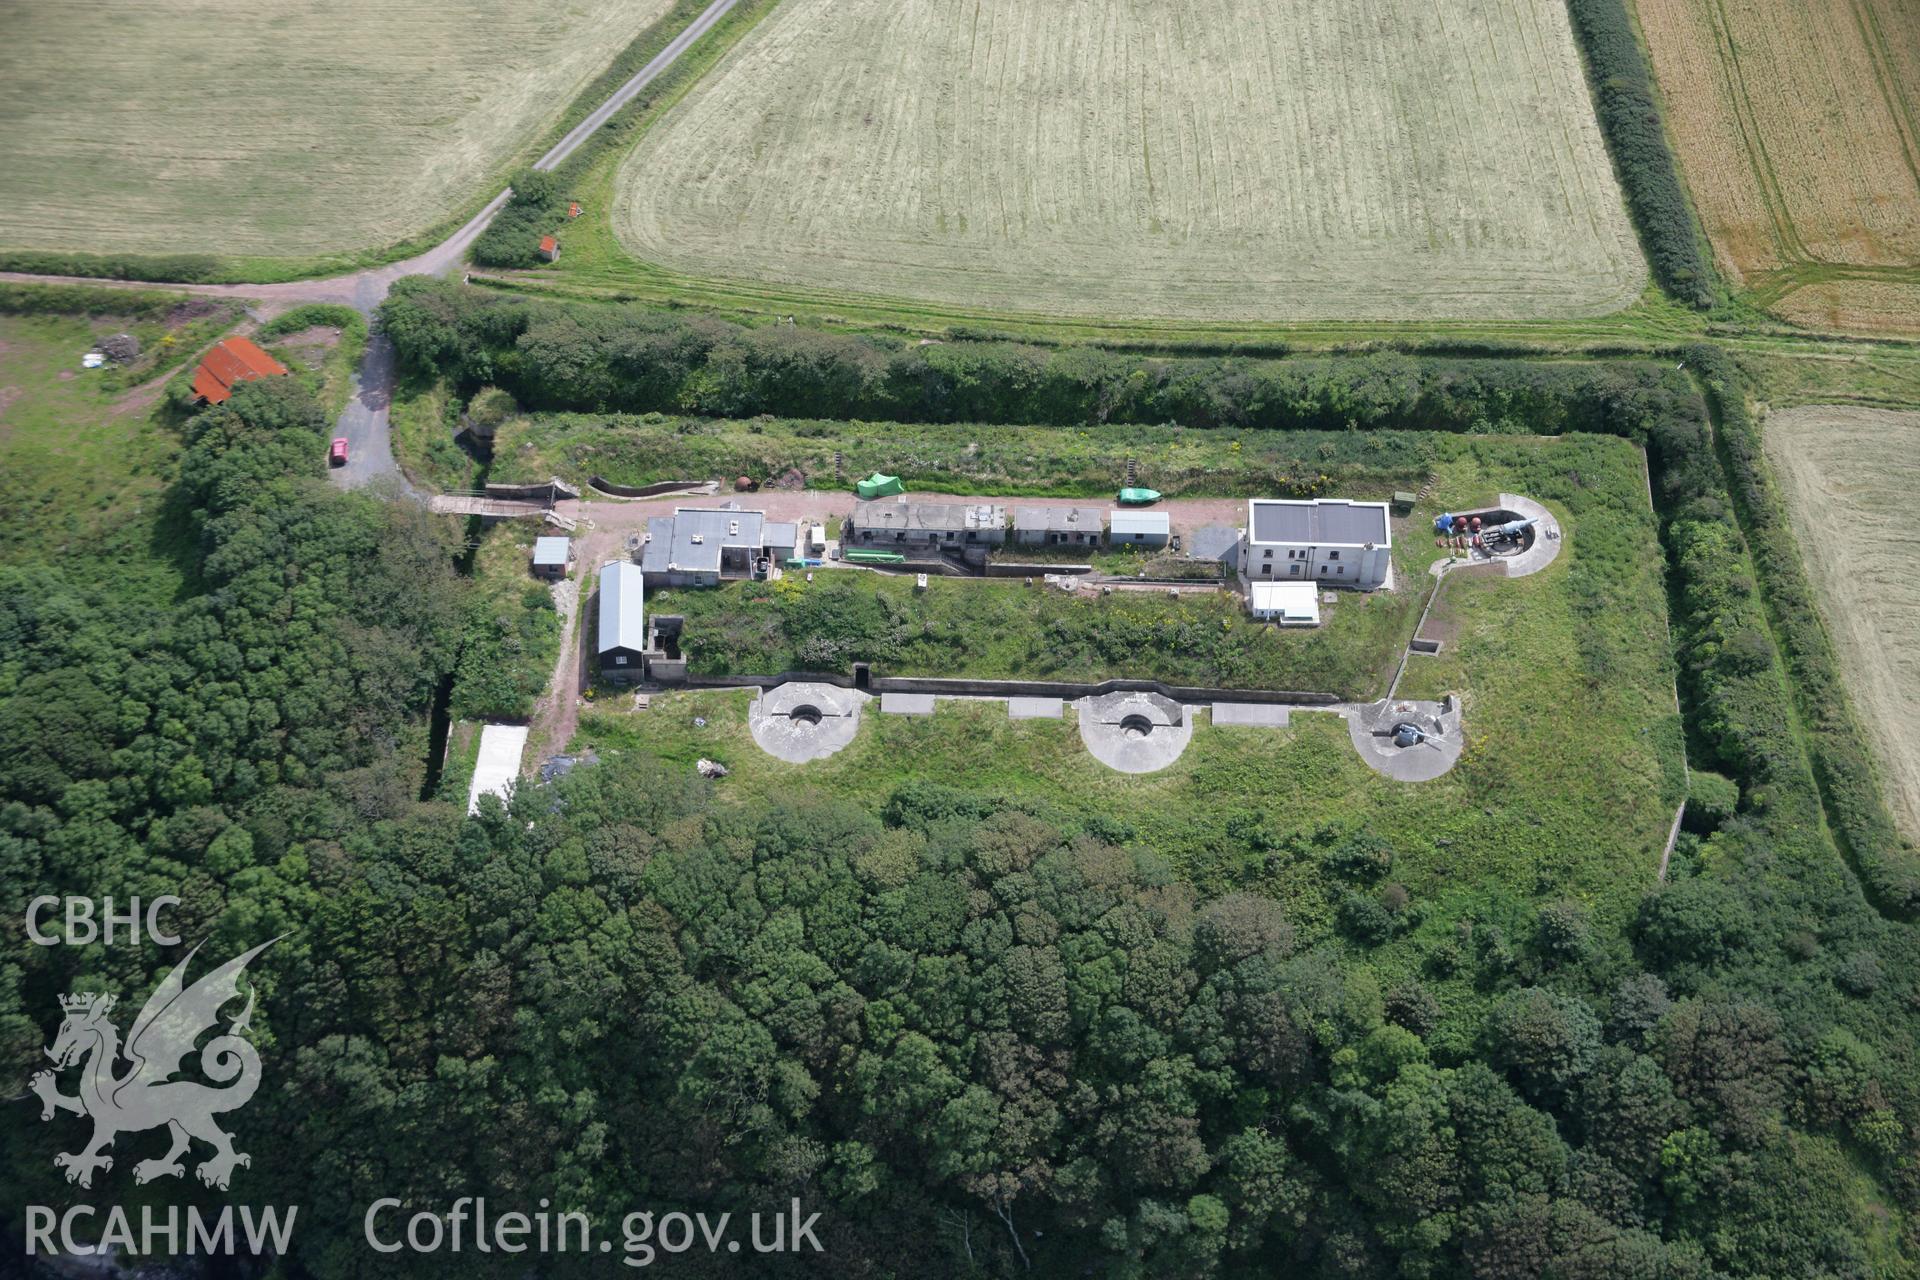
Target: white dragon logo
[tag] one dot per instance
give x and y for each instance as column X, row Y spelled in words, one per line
column 147, row 1096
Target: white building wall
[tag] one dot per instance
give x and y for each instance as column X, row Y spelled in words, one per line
column 1335, row 566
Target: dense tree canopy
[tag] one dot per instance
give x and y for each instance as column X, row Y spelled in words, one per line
column 980, row 1037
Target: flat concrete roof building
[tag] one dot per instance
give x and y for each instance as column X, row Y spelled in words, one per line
column 1056, row 526
column 965, row 531
column 1291, row 604
column 883, row 516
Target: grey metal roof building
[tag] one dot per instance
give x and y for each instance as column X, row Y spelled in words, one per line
column 705, row 542
column 550, row 553
column 782, row 535
column 1320, row 522
column 1140, row 524
column 622, row 608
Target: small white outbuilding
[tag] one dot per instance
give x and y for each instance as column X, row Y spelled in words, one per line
column 1291, row 604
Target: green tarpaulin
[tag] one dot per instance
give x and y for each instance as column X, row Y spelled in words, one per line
column 1139, row 497
column 879, row 486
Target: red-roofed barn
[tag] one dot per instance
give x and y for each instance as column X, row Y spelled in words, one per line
column 230, row 363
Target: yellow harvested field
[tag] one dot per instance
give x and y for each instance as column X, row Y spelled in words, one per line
column 1861, row 306
column 1798, row 124
column 1852, row 480
column 1179, row 159
column 287, row 130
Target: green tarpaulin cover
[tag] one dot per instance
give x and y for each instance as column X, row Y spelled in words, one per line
column 1139, row 497
column 879, row 486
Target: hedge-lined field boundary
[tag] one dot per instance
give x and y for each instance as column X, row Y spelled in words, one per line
column 596, row 357
column 1856, row 806
column 1623, row 94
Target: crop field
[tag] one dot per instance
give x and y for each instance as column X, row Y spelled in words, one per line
column 1851, row 477
column 224, row 127
column 1190, row 160
column 1798, row 125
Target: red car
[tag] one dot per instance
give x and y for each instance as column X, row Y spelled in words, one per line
column 337, row 455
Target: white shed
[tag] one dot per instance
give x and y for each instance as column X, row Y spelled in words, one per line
column 1291, row 604
column 1139, row 528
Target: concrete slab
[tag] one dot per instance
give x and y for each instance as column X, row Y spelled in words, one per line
column 906, row 704
column 1036, row 708
column 1547, row 541
column 1257, row 714
column 799, row 722
column 1215, row 542
column 1371, row 727
column 1547, row 537
column 494, row 772
column 1134, row 732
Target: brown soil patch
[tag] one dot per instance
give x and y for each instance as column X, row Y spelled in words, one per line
column 309, row 345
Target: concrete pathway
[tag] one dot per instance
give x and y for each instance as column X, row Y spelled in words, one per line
column 497, row 768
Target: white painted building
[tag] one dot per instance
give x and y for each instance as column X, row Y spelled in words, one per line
column 1139, row 528
column 1291, row 604
column 1328, row 541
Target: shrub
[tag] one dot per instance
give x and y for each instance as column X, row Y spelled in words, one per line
column 597, row 358
column 512, row 239
column 489, row 408
column 1365, row 919
column 183, row 268
column 1712, row 798
column 329, row 314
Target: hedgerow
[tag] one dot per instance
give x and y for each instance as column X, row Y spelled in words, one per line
column 1630, row 117
column 1855, row 804
column 183, row 268
column 596, row 358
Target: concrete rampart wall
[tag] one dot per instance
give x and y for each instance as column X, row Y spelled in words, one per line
column 963, row 687
column 642, row 491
